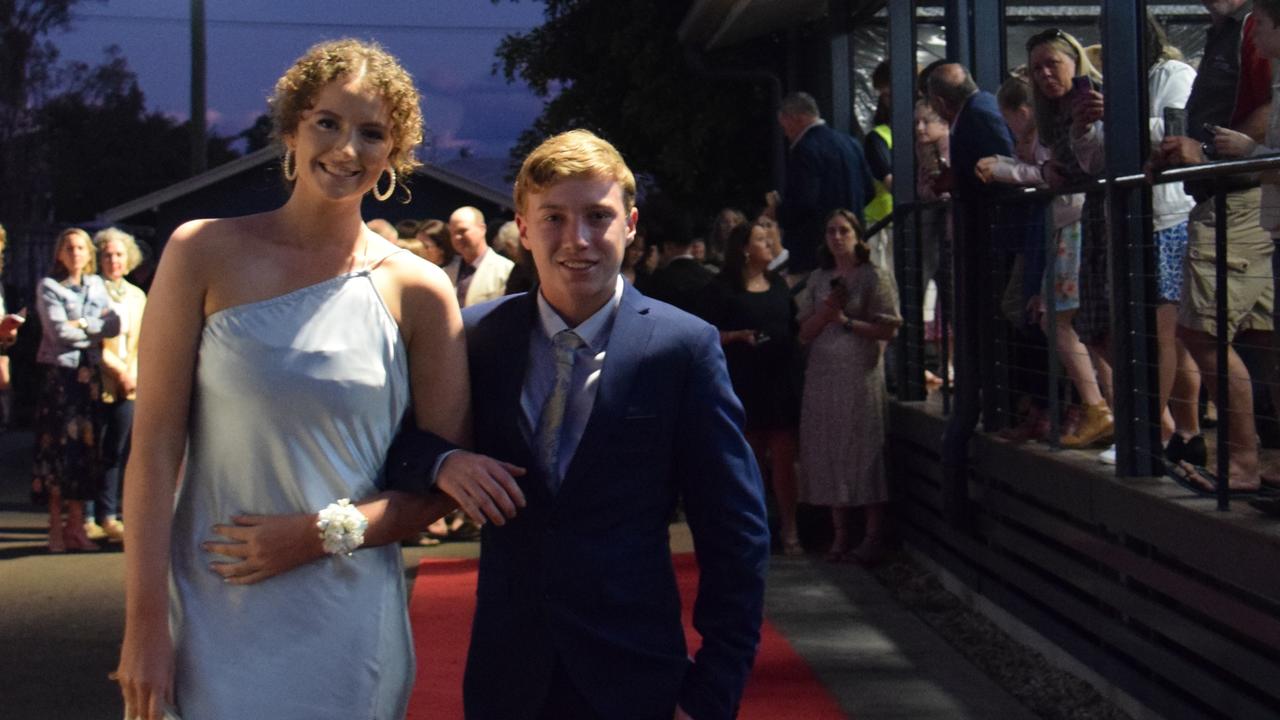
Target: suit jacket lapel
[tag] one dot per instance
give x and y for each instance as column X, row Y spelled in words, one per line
column 628, row 340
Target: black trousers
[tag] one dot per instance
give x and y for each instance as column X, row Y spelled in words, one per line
column 116, row 425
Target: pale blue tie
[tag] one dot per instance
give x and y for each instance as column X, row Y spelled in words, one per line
column 565, row 344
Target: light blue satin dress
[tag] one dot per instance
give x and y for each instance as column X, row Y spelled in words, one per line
column 296, row 401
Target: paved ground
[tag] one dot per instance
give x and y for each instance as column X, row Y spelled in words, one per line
column 62, row 619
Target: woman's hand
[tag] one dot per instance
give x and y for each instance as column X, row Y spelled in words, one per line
column 1053, row 175
column 9, row 326
column 986, row 168
column 264, row 546
column 1229, row 143
column 1035, row 310
column 833, row 304
column 145, row 672
column 128, row 383
column 1086, row 109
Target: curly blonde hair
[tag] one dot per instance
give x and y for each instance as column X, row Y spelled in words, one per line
column 133, row 254
column 325, row 62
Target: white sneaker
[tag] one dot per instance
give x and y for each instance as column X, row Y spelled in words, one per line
column 1108, row 456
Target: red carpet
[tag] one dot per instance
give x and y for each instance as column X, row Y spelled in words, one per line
column 782, row 686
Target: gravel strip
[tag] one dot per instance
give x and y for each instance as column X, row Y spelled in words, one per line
column 1049, row 692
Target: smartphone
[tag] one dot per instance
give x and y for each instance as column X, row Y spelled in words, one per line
column 1080, row 85
column 1175, row 122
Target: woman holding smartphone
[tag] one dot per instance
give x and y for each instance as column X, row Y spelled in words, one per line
column 848, row 310
column 1059, row 68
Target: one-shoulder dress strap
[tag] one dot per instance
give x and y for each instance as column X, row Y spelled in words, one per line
column 375, row 264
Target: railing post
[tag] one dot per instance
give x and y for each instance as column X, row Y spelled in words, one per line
column 994, row 340
column 942, row 305
column 1133, row 347
column 1222, row 377
column 909, row 365
column 1049, row 296
column 908, row 256
column 969, row 221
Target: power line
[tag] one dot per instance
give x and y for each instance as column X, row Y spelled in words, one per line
column 170, row 20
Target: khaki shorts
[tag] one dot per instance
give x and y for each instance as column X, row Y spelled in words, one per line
column 1250, row 287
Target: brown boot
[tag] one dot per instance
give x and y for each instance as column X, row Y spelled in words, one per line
column 1096, row 426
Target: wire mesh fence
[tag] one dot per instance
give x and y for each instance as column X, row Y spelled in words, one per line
column 1096, row 338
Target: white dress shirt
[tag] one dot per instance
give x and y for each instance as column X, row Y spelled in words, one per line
column 587, row 366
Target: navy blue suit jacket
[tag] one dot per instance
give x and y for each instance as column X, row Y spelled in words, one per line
column 826, row 170
column 979, row 131
column 586, row 574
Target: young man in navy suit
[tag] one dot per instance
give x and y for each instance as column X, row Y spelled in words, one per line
column 577, row 612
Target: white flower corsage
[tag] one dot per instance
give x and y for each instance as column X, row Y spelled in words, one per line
column 342, row 527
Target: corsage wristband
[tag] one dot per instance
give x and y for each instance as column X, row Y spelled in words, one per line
column 342, row 527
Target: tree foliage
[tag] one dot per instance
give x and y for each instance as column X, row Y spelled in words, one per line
column 616, row 67
column 101, row 145
column 75, row 138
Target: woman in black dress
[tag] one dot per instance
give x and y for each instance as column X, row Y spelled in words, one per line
column 752, row 308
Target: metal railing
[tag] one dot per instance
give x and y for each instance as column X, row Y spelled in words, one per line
column 1131, row 289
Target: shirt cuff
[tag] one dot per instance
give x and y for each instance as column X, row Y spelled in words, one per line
column 435, row 469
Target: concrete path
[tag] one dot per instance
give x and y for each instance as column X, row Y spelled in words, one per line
column 61, row 620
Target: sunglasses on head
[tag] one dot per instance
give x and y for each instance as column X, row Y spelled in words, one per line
column 1045, row 36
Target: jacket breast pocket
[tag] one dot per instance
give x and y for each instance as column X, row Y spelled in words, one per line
column 640, row 433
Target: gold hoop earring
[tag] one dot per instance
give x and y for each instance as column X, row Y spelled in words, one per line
column 391, row 187
column 290, row 174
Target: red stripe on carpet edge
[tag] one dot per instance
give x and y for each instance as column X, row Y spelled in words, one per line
column 782, row 685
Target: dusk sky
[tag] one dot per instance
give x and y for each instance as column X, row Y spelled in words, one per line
column 447, row 45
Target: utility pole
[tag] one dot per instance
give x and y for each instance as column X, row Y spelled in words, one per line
column 199, row 155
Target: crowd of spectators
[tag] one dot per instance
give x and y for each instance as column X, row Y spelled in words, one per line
column 806, row 302
column 1054, row 108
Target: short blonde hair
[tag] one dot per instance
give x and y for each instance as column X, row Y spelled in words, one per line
column 573, row 154
column 133, row 255
column 296, row 90
column 89, row 267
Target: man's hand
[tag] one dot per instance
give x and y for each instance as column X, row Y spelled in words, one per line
column 681, row 714
column 264, row 546
column 1178, row 150
column 483, row 487
column 771, row 202
column 1232, row 144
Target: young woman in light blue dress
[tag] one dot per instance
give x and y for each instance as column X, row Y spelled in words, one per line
column 278, row 356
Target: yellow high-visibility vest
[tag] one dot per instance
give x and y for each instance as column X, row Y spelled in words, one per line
column 882, row 201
